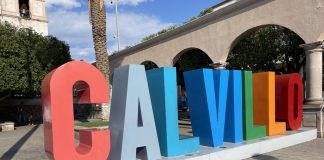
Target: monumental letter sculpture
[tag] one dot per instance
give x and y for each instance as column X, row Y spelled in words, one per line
column 251, row 131
column 57, row 101
column 163, row 89
column 224, row 106
column 131, row 116
column 234, row 119
column 264, row 103
column 207, row 97
column 289, row 100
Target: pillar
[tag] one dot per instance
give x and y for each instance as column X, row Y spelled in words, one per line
column 314, row 73
column 314, row 104
column 219, row 65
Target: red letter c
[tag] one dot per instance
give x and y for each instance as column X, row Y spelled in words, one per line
column 57, row 101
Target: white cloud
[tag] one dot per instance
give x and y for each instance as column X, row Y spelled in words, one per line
column 81, row 52
column 68, row 4
column 132, row 2
column 74, row 28
column 128, row 2
column 133, row 27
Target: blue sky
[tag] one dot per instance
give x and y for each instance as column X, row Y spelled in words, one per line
column 68, row 20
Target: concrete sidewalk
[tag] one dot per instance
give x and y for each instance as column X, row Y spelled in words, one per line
column 26, row 143
column 313, row 150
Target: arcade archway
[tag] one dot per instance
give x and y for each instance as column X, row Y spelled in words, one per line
column 268, row 48
column 190, row 59
column 149, row 65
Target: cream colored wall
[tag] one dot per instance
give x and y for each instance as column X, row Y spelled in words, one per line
column 38, row 8
column 321, row 38
column 9, row 6
column 10, row 12
column 38, row 26
column 304, row 17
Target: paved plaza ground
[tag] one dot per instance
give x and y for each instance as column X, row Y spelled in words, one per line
column 312, row 150
column 26, row 143
column 23, row 143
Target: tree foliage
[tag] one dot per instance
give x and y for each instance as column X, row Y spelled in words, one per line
column 205, row 12
column 26, row 57
column 159, row 33
column 270, row 48
column 202, row 13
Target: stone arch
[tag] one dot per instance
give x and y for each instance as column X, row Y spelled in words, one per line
column 190, row 59
column 184, row 51
column 255, row 28
column 288, row 58
column 149, row 65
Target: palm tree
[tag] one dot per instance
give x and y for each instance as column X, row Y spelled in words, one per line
column 97, row 15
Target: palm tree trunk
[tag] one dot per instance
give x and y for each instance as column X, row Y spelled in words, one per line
column 97, row 15
column 98, row 21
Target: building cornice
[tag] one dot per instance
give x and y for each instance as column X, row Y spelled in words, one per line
column 220, row 11
column 319, row 45
column 35, row 18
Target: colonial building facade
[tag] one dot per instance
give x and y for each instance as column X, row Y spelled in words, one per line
column 25, row 14
column 217, row 33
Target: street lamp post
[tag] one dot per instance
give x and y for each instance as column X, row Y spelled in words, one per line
column 117, row 24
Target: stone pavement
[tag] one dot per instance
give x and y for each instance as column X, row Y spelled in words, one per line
column 313, row 150
column 26, row 143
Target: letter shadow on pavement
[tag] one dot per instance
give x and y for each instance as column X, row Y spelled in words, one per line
column 15, row 148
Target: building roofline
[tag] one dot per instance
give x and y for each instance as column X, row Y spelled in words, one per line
column 220, row 10
column 220, row 4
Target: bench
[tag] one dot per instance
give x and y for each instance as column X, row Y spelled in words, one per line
column 7, row 126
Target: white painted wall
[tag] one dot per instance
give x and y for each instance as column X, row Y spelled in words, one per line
column 9, row 11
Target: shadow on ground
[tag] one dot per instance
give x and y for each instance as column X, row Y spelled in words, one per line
column 15, row 148
column 264, row 157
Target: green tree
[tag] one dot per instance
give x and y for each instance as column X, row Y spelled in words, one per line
column 25, row 59
column 270, row 48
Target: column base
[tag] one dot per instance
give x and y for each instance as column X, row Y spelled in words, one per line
column 313, row 117
column 314, row 101
column 105, row 111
